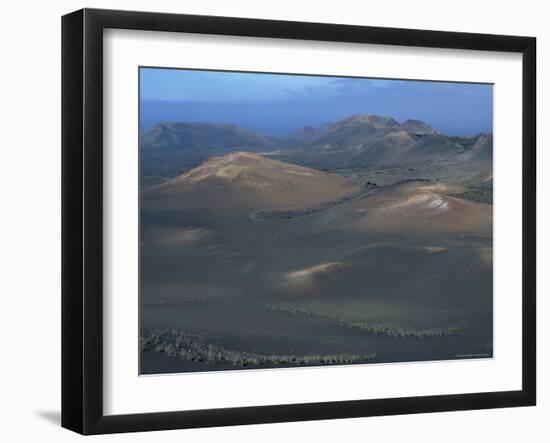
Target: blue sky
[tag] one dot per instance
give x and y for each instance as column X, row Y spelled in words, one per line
column 278, row 103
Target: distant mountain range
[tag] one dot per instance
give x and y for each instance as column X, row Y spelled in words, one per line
column 364, row 137
column 355, row 142
column 201, row 135
column 382, row 140
column 310, row 132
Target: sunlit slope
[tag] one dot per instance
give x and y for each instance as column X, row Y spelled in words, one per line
column 243, row 180
column 426, row 208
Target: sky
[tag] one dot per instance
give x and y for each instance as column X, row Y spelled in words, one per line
column 277, row 104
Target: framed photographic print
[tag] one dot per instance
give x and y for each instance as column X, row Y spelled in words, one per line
column 269, row 221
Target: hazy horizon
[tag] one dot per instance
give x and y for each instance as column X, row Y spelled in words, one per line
column 277, row 104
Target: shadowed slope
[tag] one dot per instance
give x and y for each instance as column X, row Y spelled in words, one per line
column 201, row 135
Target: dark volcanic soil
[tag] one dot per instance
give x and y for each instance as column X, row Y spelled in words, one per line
column 341, row 281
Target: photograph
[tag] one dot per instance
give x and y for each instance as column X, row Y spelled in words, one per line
column 294, row 220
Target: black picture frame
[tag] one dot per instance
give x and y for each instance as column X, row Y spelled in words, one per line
column 82, row 220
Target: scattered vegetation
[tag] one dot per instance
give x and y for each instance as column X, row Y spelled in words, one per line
column 390, row 330
column 367, row 190
column 291, row 213
column 480, row 195
column 193, row 348
column 175, row 301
